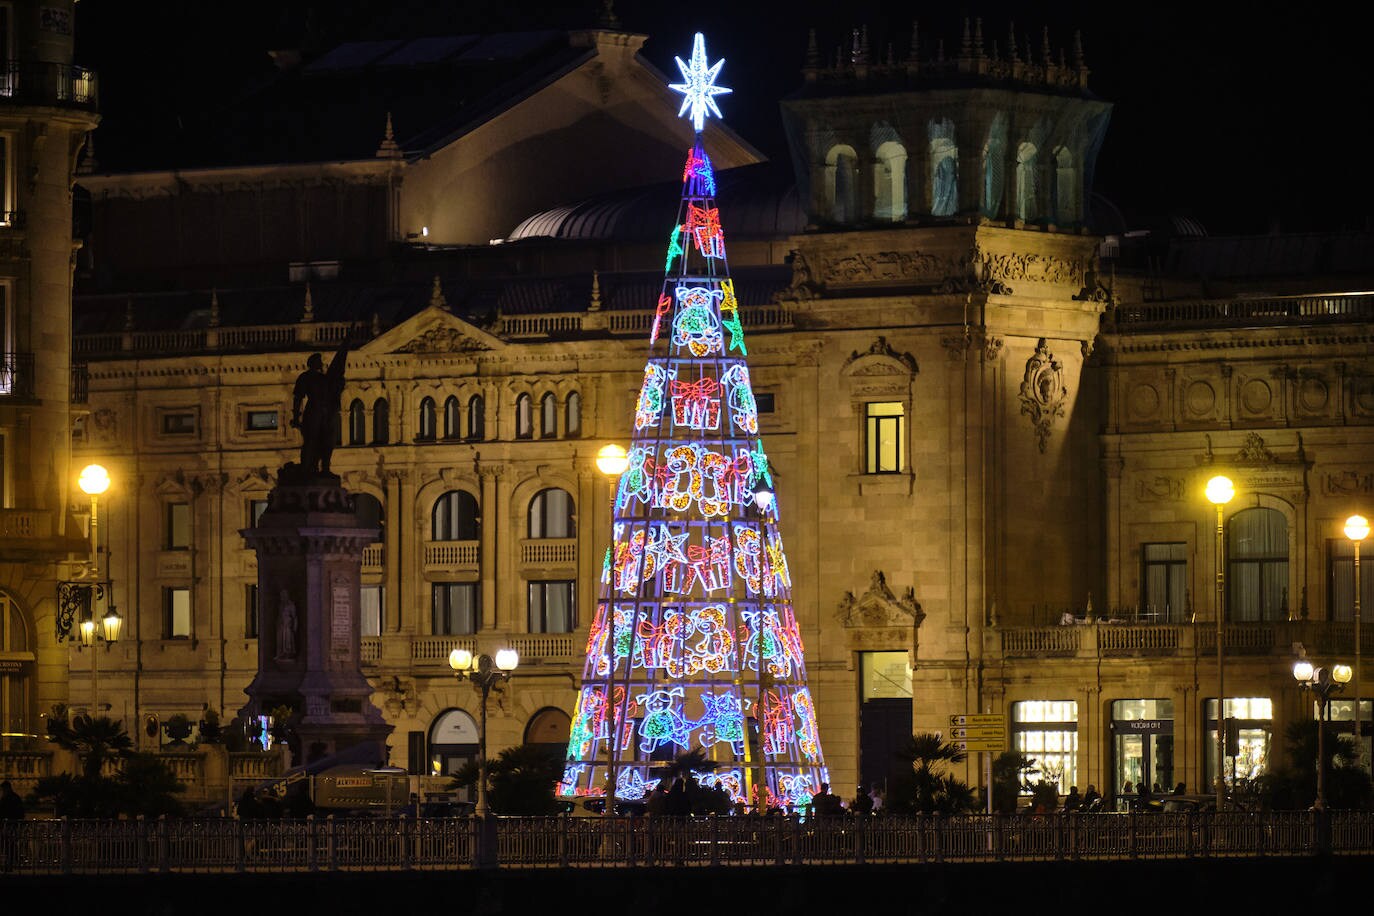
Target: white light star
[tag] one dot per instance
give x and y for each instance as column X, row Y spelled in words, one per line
column 699, row 90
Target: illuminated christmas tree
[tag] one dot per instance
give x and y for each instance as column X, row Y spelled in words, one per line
column 694, row 643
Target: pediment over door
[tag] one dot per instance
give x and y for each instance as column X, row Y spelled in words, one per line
column 878, row 619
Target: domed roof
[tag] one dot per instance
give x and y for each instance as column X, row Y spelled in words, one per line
column 756, row 201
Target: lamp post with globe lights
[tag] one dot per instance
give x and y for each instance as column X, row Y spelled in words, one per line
column 1323, row 682
column 1357, row 529
column 94, row 482
column 1221, row 491
column 485, row 673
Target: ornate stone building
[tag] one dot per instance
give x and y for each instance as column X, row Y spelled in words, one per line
column 990, row 412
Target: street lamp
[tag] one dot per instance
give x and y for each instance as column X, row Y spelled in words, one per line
column 94, row 481
column 612, row 460
column 1221, row 491
column 1357, row 529
column 485, row 673
column 1323, row 682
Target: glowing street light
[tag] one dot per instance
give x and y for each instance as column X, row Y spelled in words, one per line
column 1221, row 491
column 1323, row 682
column 485, row 673
column 1357, row 529
column 94, row 481
column 612, row 460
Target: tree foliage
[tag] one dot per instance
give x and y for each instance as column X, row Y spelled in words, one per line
column 520, row 780
column 95, row 738
column 929, row 788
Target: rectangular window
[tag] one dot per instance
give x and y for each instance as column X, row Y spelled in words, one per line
column 373, row 598
column 176, row 613
column 178, row 526
column 250, row 611
column 551, row 607
column 885, row 676
column 1341, row 581
column 764, row 401
column 1048, row 731
column 261, row 420
column 885, row 454
column 1164, row 582
column 1249, row 728
column 456, row 608
column 256, row 507
column 179, row 423
column 7, row 215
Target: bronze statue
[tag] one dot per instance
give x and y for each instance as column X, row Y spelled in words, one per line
column 318, row 422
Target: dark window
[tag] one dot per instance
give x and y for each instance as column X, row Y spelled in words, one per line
column 381, row 422
column 357, row 423
column 250, row 612
column 551, row 515
column 476, row 418
column 524, row 422
column 1164, row 582
column 370, row 513
column 572, row 425
column 176, row 613
column 256, row 507
column 455, row 517
column 178, row 526
column 261, row 420
column 552, row 608
column 373, row 600
column 884, row 434
column 427, row 419
column 452, row 416
column 457, row 608
column 179, row 424
column 1257, row 565
column 764, row 401
column 1341, row 579
column 548, row 417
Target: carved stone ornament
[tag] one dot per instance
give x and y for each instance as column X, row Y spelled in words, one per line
column 881, row 347
column 1347, row 483
column 1254, row 451
column 441, row 339
column 894, row 266
column 1043, row 392
column 1159, row 489
column 879, row 607
column 320, row 498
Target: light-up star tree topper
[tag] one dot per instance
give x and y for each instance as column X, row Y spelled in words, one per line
column 694, row 643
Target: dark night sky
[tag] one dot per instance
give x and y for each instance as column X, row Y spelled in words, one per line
column 1232, row 121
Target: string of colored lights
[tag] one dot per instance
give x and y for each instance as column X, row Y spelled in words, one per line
column 693, row 643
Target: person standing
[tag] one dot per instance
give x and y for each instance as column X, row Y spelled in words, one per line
column 863, row 802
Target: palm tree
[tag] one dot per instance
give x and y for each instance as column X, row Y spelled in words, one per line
column 934, row 791
column 94, row 738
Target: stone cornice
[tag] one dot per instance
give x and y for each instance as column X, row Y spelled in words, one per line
column 140, row 185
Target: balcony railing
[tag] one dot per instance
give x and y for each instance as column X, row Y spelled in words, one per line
column 370, row 650
column 16, row 375
column 81, row 384
column 372, row 556
column 436, row 649
column 1106, row 639
column 550, row 646
column 452, row 554
column 25, row 523
column 1285, row 310
column 549, row 552
column 42, row 83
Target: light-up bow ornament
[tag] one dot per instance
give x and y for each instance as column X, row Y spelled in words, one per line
column 699, row 90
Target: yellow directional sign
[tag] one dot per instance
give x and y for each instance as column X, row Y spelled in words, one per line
column 978, row 720
column 967, row 732
column 980, row 744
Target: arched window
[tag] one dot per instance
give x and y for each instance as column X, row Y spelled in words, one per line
column 16, row 681
column 381, row 422
column 357, row 423
column 572, row 412
column 1257, row 565
column 1066, row 207
column 994, row 167
column 452, row 417
column 455, row 517
column 889, row 182
column 944, row 168
column 548, row 729
column 841, row 174
column 524, row 421
column 427, row 420
column 476, row 418
column 370, row 513
column 551, row 515
column 1027, row 182
column 452, row 744
column 548, row 416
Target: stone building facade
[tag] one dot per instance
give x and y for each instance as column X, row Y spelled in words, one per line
column 990, row 431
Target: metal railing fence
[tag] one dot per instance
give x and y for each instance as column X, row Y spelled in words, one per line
column 191, row 845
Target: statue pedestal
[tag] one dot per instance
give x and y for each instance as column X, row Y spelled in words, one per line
column 310, row 546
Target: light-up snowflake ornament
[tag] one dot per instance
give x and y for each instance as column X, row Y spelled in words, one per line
column 699, row 89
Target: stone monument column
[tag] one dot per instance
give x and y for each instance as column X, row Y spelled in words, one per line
column 310, row 544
